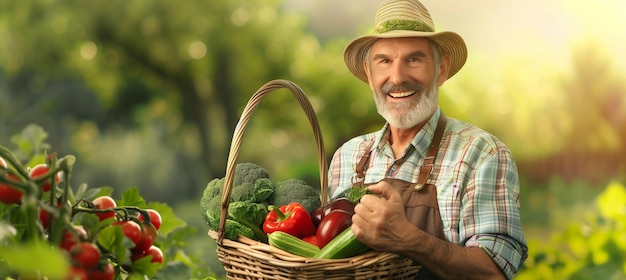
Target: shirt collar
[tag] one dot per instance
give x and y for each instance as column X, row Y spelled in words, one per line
column 422, row 140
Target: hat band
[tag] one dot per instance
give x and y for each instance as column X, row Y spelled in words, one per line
column 411, row 25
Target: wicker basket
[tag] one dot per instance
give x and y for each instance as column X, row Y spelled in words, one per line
column 245, row 258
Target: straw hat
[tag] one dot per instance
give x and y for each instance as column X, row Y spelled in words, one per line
column 404, row 18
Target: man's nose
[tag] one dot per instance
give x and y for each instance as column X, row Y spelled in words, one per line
column 398, row 74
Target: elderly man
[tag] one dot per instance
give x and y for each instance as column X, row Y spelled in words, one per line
column 446, row 193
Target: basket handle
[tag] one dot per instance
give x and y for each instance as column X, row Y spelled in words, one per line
column 238, row 134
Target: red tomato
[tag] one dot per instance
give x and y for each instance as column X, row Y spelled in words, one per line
column 77, row 273
column 69, row 239
column 311, row 239
column 102, row 272
column 131, row 230
column 85, row 253
column 38, row 171
column 3, row 163
column 104, row 202
column 148, row 236
column 155, row 218
column 332, row 225
column 154, row 251
column 10, row 194
column 45, row 216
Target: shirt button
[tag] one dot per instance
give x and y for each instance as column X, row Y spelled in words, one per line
column 393, row 168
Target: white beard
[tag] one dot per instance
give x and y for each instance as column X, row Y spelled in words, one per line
column 409, row 114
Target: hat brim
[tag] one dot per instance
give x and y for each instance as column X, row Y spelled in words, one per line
column 450, row 43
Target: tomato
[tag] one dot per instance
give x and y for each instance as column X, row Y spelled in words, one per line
column 311, row 239
column 148, row 236
column 155, row 218
column 332, row 225
column 102, row 272
column 77, row 273
column 154, row 251
column 3, row 163
column 86, row 253
column 104, row 202
column 69, row 239
column 45, row 216
column 10, row 194
column 38, row 171
column 131, row 230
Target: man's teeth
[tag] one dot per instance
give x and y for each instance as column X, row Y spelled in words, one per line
column 401, row 94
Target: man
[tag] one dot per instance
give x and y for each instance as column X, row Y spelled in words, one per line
column 445, row 192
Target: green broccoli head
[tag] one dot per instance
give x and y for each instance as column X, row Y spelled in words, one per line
column 248, row 172
column 257, row 191
column 212, row 198
column 295, row 190
column 233, row 227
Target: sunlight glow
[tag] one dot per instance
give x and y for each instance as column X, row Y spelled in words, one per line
column 197, row 49
column 88, row 50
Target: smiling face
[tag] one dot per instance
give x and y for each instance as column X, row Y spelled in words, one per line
column 404, row 80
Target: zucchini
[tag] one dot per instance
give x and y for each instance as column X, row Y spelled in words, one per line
column 344, row 245
column 292, row 244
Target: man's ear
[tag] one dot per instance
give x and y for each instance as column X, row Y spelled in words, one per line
column 444, row 68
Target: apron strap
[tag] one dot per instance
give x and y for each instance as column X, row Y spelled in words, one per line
column 429, row 161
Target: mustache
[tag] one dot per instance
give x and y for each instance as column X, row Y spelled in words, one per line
column 404, row 86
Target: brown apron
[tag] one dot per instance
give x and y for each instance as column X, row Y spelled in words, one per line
column 420, row 199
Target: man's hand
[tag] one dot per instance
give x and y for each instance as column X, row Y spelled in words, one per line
column 379, row 220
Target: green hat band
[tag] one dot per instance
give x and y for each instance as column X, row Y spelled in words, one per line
column 403, row 25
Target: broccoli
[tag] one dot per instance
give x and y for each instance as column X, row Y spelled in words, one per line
column 251, row 184
column 249, row 214
column 248, row 172
column 212, row 198
column 256, row 191
column 295, row 190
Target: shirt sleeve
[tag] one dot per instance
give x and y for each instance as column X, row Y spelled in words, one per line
column 490, row 216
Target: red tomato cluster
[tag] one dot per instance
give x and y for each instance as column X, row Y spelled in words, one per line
column 86, row 255
column 87, row 259
column 11, row 195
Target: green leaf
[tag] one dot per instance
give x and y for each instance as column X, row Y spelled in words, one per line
column 169, row 220
column 113, row 240
column 51, row 262
column 131, row 197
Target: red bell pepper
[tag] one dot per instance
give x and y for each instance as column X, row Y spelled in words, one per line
column 292, row 218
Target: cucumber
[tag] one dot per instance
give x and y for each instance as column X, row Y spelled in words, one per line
column 344, row 245
column 292, row 244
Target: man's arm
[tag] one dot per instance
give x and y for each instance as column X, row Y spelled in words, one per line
column 380, row 223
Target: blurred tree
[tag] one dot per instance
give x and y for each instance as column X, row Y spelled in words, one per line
column 200, row 60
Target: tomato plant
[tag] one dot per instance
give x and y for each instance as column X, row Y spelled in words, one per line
column 80, row 233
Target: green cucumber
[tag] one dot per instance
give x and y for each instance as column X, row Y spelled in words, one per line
column 292, row 244
column 344, row 245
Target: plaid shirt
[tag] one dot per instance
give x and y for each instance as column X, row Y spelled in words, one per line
column 476, row 179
